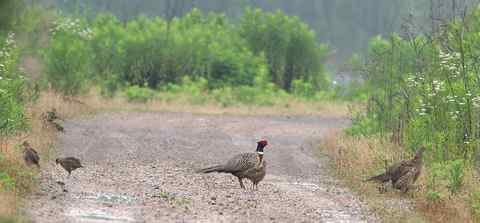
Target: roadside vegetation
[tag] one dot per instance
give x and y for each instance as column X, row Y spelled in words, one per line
column 422, row 90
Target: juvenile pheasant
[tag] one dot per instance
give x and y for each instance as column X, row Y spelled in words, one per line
column 30, row 155
column 52, row 118
column 245, row 165
column 52, row 115
column 69, row 164
column 403, row 174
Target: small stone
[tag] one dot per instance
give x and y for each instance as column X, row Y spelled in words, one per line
column 213, row 198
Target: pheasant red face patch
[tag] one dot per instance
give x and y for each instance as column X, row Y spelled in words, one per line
column 263, row 142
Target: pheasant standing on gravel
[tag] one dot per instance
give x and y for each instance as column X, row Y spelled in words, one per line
column 69, row 164
column 245, row 165
column 403, row 174
column 30, row 155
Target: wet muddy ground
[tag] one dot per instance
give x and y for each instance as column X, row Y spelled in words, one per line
column 140, row 167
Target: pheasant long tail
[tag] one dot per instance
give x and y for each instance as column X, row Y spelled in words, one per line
column 380, row 178
column 218, row 168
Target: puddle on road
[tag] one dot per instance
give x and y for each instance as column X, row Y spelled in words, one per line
column 86, row 211
column 308, row 186
column 109, row 198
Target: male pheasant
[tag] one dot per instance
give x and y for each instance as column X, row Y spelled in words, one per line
column 245, row 165
column 403, row 174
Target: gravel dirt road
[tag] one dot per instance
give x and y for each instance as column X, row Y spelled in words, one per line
column 140, row 167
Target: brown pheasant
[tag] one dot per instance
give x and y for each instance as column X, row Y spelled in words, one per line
column 403, row 174
column 245, row 165
column 69, row 164
column 51, row 117
column 30, row 155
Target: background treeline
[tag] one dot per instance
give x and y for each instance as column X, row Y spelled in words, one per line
column 345, row 25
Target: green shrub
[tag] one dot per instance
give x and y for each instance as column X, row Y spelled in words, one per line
column 7, row 183
column 289, row 46
column 109, row 86
column 147, row 50
column 362, row 125
column 444, row 176
column 303, row 89
column 455, row 178
column 68, row 56
column 139, row 94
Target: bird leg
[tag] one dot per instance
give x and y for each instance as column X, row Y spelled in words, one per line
column 241, row 183
column 382, row 188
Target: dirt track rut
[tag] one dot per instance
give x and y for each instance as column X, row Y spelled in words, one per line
column 139, row 167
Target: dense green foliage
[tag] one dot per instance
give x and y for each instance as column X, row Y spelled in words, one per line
column 345, row 24
column 68, row 56
column 12, row 86
column 155, row 52
column 10, row 13
column 289, row 45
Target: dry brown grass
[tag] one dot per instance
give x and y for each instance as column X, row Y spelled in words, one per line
column 354, row 159
column 181, row 103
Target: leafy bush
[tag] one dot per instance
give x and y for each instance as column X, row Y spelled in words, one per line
column 139, row 94
column 7, row 183
column 303, row 89
column 362, row 125
column 154, row 52
column 68, row 55
column 289, row 45
column 443, row 178
column 9, row 11
column 197, row 45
